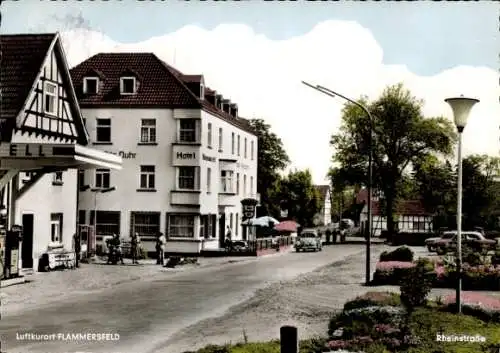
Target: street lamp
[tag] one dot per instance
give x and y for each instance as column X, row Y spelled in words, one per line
column 461, row 107
column 333, row 94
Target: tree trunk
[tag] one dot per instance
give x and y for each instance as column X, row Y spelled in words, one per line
column 389, row 211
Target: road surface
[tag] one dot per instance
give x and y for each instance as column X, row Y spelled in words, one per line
column 148, row 313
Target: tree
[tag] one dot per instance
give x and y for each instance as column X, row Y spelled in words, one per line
column 272, row 159
column 401, row 136
column 300, row 197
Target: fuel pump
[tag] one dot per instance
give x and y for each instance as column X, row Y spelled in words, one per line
column 12, row 239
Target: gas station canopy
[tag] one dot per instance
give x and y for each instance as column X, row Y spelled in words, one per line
column 33, row 156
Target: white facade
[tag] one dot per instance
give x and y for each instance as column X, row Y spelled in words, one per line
column 164, row 176
column 41, row 149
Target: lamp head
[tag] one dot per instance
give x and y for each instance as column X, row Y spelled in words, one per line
column 461, row 107
column 3, row 211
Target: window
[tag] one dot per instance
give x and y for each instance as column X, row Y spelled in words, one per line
column 239, row 145
column 56, row 227
column 102, row 177
column 147, row 224
column 251, row 186
column 107, row 222
column 202, row 91
column 81, row 179
column 209, row 180
column 90, row 85
column 236, row 225
column 251, row 150
column 181, row 226
column 82, row 215
column 50, row 97
column 419, row 225
column 127, row 85
column 231, row 223
column 187, row 178
column 232, row 143
column 207, row 226
column 209, row 135
column 187, row 130
column 244, row 185
column 147, row 177
column 148, row 130
column 221, row 139
column 245, row 148
column 57, row 178
column 226, row 181
column 238, row 183
column 103, row 130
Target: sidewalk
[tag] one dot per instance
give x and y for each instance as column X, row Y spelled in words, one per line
column 45, row 287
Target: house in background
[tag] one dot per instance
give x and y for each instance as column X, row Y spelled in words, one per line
column 324, row 216
column 410, row 216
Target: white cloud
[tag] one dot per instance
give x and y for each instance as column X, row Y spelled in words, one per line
column 264, row 77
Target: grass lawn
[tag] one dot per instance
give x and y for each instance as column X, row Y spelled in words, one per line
column 425, row 323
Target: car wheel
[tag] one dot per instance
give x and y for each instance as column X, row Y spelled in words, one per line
column 430, row 249
column 441, row 251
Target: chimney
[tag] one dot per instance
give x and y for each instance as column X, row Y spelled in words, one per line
column 234, row 110
column 226, row 105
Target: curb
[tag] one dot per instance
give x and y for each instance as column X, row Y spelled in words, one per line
column 12, row 281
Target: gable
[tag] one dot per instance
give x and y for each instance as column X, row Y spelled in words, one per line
column 51, row 110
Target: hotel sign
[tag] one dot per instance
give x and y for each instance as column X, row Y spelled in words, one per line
column 186, row 155
column 35, row 150
column 123, row 154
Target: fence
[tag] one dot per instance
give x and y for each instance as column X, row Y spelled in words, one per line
column 269, row 243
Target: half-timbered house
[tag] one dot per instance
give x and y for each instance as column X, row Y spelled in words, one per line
column 42, row 142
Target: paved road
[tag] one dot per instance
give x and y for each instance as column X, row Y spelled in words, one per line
column 146, row 313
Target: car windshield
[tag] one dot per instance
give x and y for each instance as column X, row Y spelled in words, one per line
column 448, row 235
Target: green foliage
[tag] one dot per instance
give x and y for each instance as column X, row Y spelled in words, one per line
column 402, row 253
column 401, row 135
column 471, row 257
column 417, row 285
column 272, row 159
column 373, row 299
column 313, row 345
column 298, row 195
column 495, row 258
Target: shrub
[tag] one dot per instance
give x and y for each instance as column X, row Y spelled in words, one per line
column 391, row 272
column 373, row 299
column 495, row 258
column 313, row 345
column 360, row 322
column 471, row 257
column 402, row 253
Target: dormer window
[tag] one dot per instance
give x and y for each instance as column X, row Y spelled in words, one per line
column 90, row 85
column 202, row 91
column 127, row 85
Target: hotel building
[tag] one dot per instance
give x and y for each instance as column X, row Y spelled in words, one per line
column 188, row 158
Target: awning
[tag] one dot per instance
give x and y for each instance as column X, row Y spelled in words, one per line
column 32, row 156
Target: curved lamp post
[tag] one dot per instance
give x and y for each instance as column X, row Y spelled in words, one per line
column 334, row 94
column 461, row 107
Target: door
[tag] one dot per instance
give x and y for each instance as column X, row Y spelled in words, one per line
column 222, row 229
column 27, row 245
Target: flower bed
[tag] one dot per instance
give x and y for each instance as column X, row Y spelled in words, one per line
column 483, row 307
column 480, row 277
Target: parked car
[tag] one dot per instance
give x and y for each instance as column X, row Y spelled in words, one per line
column 309, row 239
column 431, row 242
column 240, row 246
column 475, row 240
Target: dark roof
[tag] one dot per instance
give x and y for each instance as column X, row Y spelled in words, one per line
column 160, row 85
column 22, row 58
column 322, row 190
column 403, row 208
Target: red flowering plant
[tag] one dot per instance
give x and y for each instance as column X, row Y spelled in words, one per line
column 484, row 307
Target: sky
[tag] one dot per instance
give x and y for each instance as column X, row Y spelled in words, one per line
column 257, row 53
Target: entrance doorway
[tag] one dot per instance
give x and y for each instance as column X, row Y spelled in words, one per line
column 222, row 229
column 27, row 245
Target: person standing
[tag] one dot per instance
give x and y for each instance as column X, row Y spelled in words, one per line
column 160, row 248
column 77, row 243
column 134, row 247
